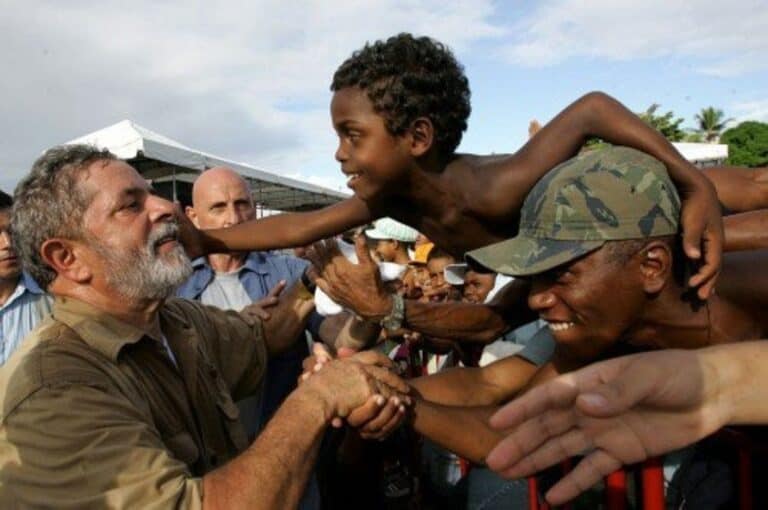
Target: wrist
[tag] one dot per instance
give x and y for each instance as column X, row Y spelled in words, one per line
column 381, row 310
column 737, row 401
column 316, row 401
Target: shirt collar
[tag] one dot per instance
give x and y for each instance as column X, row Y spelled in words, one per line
column 100, row 330
column 255, row 262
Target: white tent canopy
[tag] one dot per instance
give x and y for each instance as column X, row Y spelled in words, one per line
column 163, row 160
column 703, row 154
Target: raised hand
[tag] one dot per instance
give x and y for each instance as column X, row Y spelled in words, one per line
column 260, row 308
column 617, row 412
column 355, row 286
column 703, row 236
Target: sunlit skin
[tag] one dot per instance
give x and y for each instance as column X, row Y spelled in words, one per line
column 221, row 198
column 122, row 213
column 10, row 267
column 477, row 286
column 593, row 303
column 463, row 201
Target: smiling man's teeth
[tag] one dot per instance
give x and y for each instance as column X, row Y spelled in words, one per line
column 352, row 177
column 560, row 326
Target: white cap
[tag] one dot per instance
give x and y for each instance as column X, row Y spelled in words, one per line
column 387, row 228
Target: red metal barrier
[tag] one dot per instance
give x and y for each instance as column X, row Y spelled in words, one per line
column 652, row 474
column 616, row 491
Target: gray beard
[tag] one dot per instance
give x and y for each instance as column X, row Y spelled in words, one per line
column 144, row 275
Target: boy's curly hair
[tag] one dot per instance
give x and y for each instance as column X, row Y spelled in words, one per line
column 407, row 77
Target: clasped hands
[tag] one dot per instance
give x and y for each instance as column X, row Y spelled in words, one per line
column 381, row 406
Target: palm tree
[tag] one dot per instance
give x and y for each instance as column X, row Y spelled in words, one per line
column 711, row 123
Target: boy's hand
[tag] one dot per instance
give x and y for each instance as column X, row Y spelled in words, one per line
column 703, row 235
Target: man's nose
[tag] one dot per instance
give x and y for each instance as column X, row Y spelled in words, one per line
column 160, row 209
column 541, row 297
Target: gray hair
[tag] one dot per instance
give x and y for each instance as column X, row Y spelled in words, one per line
column 49, row 202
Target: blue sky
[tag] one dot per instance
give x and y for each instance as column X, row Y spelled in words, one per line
column 248, row 80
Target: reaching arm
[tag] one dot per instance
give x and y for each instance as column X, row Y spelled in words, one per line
column 476, row 386
column 359, row 287
column 627, row 409
column 280, row 231
column 740, row 189
column 597, row 114
column 746, row 231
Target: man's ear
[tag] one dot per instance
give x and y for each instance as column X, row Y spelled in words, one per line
column 192, row 215
column 422, row 136
column 656, row 266
column 64, row 257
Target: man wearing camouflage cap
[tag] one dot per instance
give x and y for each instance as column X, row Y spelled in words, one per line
column 599, row 248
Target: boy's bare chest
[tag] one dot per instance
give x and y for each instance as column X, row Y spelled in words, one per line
column 457, row 231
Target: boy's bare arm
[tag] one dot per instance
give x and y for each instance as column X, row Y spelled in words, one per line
column 740, row 189
column 746, row 231
column 597, row 114
column 286, row 230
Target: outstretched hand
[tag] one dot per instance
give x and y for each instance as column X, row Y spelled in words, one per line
column 703, row 235
column 190, row 237
column 617, row 412
column 260, row 308
column 355, row 286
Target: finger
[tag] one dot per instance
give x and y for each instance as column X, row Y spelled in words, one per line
column 275, row 291
column 366, row 412
column 363, row 253
column 387, row 428
column 559, row 393
column 529, row 436
column 692, row 237
column 320, row 351
column 620, row 392
column 586, row 474
column 337, row 423
column 706, row 277
column 373, row 358
column 384, row 376
column 572, row 442
column 345, row 352
column 386, row 413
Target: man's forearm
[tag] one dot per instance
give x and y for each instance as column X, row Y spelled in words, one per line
column 462, row 430
column 742, row 376
column 273, row 471
column 465, row 322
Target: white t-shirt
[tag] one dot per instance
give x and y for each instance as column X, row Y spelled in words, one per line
column 226, row 292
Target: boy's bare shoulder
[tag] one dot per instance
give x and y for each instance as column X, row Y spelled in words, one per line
column 483, row 178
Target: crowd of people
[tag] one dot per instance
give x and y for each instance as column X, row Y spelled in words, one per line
column 458, row 324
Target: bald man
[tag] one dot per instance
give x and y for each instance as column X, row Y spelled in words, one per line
column 232, row 281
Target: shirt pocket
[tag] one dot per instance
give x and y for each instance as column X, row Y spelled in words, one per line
column 231, row 415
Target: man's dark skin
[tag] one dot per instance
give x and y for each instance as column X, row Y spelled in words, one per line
column 636, row 304
column 462, row 201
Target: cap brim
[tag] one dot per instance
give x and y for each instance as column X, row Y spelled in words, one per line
column 375, row 234
column 454, row 273
column 523, row 256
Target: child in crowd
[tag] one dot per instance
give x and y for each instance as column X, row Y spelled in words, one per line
column 400, row 108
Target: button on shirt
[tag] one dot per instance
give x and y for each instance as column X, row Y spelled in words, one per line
column 21, row 313
column 96, row 414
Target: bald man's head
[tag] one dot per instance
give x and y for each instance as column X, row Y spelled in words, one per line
column 220, row 198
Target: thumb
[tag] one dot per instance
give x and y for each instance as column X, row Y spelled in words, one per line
column 361, row 248
column 277, row 289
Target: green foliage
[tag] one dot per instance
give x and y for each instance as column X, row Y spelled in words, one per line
column 667, row 124
column 747, row 144
column 711, row 122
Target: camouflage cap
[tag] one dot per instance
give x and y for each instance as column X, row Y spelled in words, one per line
column 606, row 195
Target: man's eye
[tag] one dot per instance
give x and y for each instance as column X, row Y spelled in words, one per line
column 131, row 205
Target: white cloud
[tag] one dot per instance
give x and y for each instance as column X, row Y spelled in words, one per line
column 247, row 80
column 725, row 38
column 750, row 110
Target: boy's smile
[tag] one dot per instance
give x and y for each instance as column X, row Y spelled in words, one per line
column 369, row 154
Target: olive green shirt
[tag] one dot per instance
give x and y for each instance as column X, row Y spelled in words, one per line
column 96, row 413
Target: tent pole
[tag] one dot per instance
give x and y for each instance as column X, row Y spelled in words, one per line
column 175, row 196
